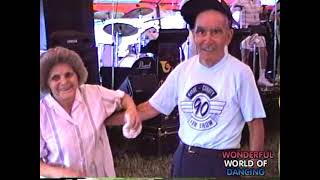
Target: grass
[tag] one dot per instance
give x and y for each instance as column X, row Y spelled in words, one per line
column 135, row 165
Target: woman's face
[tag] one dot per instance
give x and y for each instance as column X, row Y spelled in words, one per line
column 63, row 83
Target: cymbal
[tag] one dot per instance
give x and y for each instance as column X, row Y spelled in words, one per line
column 138, row 11
column 154, row 19
column 162, row 3
column 107, row 15
column 121, row 28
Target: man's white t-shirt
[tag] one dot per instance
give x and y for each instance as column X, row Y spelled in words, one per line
column 214, row 103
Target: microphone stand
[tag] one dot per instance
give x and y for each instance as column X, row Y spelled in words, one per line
column 158, row 16
column 188, row 43
column 275, row 41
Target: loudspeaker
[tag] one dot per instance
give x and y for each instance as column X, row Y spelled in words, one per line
column 75, row 40
column 83, row 45
column 70, row 24
column 90, row 60
column 69, row 15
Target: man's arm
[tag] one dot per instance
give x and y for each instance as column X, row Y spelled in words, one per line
column 145, row 111
column 256, row 137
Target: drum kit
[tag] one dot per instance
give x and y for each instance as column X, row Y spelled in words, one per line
column 121, row 36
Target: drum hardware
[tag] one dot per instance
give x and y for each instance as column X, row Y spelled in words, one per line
column 161, row 3
column 153, row 19
column 157, row 5
column 121, row 28
column 103, row 15
column 167, row 37
column 118, row 30
column 138, row 12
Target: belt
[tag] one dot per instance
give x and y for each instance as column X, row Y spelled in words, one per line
column 200, row 150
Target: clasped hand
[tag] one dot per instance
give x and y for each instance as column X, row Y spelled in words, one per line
column 132, row 126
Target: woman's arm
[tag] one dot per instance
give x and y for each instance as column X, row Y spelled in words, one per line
column 145, row 111
column 129, row 113
column 57, row 171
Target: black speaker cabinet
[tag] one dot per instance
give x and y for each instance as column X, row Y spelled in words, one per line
column 68, row 15
column 160, row 134
column 83, row 45
column 90, row 60
column 70, row 24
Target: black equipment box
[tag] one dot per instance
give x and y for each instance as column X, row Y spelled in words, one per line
column 160, row 135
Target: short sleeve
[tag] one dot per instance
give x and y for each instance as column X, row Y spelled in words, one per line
column 165, row 98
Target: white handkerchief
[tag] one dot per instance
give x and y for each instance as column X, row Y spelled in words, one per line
column 127, row 131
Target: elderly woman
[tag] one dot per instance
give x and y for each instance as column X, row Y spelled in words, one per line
column 73, row 115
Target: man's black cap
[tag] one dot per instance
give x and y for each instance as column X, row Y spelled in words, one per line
column 192, row 8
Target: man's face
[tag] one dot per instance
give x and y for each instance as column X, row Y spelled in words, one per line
column 211, row 35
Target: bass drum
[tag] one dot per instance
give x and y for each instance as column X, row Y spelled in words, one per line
column 144, row 65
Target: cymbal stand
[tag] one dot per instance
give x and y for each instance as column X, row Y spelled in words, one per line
column 159, row 19
column 158, row 12
column 139, row 38
column 114, row 54
column 115, row 39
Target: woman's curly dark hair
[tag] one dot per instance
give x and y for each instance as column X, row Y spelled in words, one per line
column 60, row 55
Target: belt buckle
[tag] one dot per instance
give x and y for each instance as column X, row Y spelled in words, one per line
column 190, row 151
